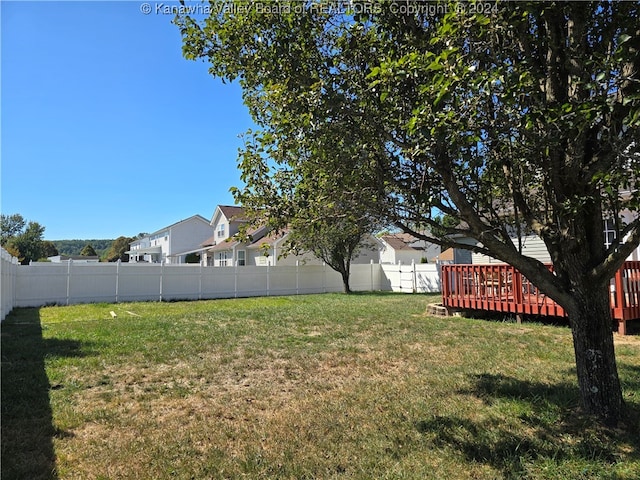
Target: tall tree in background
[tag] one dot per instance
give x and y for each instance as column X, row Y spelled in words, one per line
column 25, row 243
column 88, row 251
column 512, row 120
column 11, row 226
column 49, row 249
column 117, row 250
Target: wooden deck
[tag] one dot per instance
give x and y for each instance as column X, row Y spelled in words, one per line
column 501, row 288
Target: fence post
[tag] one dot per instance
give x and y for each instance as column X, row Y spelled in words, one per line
column 161, row 277
column 324, row 277
column 414, row 282
column 297, row 277
column 268, row 278
column 14, row 282
column 118, row 279
column 235, row 280
column 371, row 275
column 69, row 280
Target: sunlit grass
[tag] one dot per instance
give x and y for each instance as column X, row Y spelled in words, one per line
column 321, row 386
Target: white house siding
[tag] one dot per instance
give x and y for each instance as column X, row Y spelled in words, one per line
column 162, row 245
column 532, row 246
column 368, row 254
column 161, row 239
column 187, row 236
column 407, row 252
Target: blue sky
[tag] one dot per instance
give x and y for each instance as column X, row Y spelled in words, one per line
column 106, row 130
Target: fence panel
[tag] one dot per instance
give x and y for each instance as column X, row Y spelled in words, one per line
column 41, row 284
column 91, row 283
column 8, row 267
column 218, row 282
column 139, row 282
column 181, row 282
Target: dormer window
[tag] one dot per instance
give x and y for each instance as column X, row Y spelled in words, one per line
column 220, row 230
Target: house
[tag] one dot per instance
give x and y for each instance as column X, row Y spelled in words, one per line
column 176, row 243
column 263, row 248
column 225, row 251
column 268, row 251
column 454, row 255
column 74, row 259
column 406, row 249
column 533, row 246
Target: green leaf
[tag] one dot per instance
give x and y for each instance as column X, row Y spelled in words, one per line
column 435, row 66
column 623, row 38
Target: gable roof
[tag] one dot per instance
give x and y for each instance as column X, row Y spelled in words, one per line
column 269, row 239
column 192, row 217
column 401, row 241
column 232, row 212
column 231, row 242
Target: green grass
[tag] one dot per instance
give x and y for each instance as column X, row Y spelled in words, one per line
column 321, row 386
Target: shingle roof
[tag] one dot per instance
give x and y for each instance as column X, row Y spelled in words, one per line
column 400, row 241
column 269, row 239
column 209, row 241
column 232, row 212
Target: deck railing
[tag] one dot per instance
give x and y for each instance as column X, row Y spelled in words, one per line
column 502, row 288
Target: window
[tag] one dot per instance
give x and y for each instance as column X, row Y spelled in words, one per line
column 241, row 258
column 222, row 259
column 609, row 231
column 220, row 230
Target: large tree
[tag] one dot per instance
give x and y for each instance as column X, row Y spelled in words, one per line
column 27, row 243
column 313, row 187
column 117, row 250
column 88, row 251
column 11, row 226
column 515, row 119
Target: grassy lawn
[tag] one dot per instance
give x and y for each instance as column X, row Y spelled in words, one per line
column 320, row 386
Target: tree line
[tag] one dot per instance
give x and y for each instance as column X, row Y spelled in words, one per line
column 25, row 240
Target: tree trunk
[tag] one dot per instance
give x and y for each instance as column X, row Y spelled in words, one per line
column 592, row 329
column 345, row 281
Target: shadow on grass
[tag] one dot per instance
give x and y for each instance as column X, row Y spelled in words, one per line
column 535, row 423
column 27, row 426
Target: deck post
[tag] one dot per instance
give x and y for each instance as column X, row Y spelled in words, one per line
column 517, row 288
column 620, row 298
column 622, row 327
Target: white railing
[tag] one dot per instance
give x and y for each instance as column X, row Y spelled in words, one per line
column 69, row 283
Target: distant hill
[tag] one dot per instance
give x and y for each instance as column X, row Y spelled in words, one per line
column 74, row 247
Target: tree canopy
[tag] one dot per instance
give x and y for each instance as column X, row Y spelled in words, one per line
column 21, row 239
column 521, row 118
column 88, row 251
column 117, row 250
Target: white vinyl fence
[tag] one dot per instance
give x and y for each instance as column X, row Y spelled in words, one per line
column 414, row 278
column 70, row 283
column 8, row 269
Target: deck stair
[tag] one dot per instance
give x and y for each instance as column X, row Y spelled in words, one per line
column 439, row 310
